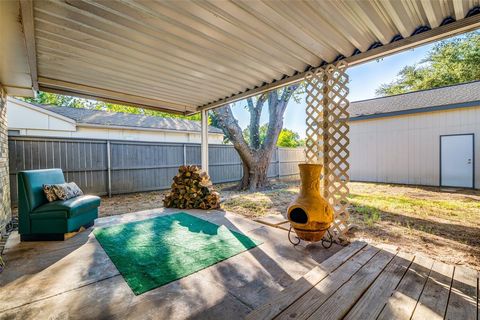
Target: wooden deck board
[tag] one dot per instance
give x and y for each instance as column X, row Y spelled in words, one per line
column 339, row 303
column 433, row 301
column 304, row 284
column 366, row 282
column 376, row 297
column 404, row 299
column 462, row 303
column 308, row 303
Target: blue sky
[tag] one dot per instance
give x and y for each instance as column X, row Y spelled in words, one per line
column 364, row 80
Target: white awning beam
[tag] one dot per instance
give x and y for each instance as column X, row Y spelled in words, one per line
column 89, row 92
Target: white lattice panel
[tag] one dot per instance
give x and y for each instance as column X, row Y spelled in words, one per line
column 327, row 136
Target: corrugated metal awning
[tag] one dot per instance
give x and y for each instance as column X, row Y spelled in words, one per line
column 185, row 55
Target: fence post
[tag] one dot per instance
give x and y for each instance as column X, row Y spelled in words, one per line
column 278, row 162
column 184, row 154
column 109, row 169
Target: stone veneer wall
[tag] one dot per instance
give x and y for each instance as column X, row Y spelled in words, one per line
column 5, row 210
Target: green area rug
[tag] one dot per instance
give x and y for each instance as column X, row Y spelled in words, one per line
column 154, row 252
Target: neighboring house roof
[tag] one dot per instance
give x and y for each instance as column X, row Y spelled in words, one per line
column 450, row 97
column 118, row 119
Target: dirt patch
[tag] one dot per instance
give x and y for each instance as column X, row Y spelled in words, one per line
column 125, row 203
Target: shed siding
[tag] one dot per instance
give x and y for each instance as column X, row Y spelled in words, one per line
column 406, row 149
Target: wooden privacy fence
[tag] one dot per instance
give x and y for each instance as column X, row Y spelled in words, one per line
column 105, row 167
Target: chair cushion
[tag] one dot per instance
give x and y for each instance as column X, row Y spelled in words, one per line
column 33, row 180
column 71, row 207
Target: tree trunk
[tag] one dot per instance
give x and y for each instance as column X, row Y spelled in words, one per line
column 256, row 157
column 255, row 171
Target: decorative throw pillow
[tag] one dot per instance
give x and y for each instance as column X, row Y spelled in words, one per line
column 76, row 189
column 49, row 192
column 67, row 191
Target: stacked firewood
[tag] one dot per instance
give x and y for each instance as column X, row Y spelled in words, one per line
column 192, row 189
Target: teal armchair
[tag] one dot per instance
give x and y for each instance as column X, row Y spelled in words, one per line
column 39, row 219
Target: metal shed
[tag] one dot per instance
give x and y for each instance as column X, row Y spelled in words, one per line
column 426, row 137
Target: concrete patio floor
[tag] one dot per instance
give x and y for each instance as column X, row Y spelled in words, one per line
column 76, row 279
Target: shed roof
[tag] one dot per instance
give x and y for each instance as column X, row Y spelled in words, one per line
column 120, row 119
column 454, row 96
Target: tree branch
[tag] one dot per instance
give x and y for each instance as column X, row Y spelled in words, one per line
column 255, row 114
column 233, row 132
column 276, row 110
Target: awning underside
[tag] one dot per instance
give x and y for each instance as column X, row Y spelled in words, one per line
column 181, row 55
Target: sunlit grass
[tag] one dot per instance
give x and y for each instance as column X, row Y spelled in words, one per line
column 455, row 209
column 259, row 204
column 369, row 214
column 367, row 206
column 253, row 205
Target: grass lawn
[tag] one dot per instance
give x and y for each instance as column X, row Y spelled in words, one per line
column 442, row 224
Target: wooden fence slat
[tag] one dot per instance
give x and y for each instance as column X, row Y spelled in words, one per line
column 135, row 166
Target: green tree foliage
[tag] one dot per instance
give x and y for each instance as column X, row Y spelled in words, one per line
column 60, row 100
column 450, row 62
column 287, row 138
column 67, row 101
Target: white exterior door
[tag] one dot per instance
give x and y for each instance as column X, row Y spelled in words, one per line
column 456, row 158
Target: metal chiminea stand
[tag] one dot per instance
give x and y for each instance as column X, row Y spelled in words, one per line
column 326, row 243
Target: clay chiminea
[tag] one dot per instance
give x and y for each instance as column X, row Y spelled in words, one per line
column 310, row 215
